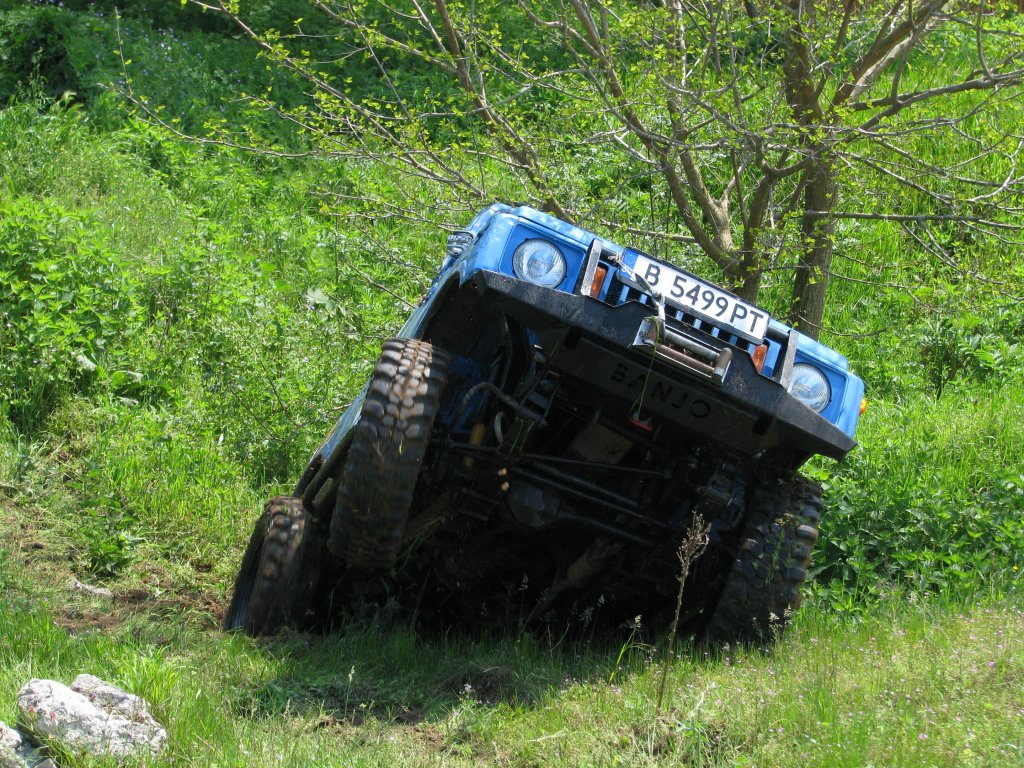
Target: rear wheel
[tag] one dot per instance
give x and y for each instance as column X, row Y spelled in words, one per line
column 376, row 488
column 762, row 588
column 280, row 571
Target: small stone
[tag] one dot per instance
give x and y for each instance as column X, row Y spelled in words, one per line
column 113, row 700
column 15, row 751
column 10, row 759
column 98, row 591
column 114, row 724
column 10, row 737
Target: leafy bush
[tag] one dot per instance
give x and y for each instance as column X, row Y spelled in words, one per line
column 111, row 545
column 972, row 346
column 65, row 297
column 934, row 498
column 34, row 47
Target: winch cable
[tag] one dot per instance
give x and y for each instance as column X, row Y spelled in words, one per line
column 659, row 303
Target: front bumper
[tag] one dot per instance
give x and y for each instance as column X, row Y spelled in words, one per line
column 742, row 411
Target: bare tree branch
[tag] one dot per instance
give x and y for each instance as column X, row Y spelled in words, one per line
column 748, row 128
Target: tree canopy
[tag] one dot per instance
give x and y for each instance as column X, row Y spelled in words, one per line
column 745, row 132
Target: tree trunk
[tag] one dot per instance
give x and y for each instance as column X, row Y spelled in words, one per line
column 748, row 282
column 807, row 302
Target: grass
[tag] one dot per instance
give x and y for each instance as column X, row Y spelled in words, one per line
column 934, row 497
column 913, row 683
column 239, row 315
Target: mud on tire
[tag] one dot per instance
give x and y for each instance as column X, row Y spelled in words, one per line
column 762, row 588
column 377, row 486
column 280, row 571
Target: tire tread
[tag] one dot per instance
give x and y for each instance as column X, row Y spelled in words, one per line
column 387, row 451
column 762, row 588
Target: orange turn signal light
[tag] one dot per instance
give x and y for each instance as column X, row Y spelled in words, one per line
column 599, row 275
column 760, row 353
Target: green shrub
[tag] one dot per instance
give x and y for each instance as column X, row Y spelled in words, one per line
column 934, row 497
column 64, row 297
column 34, row 47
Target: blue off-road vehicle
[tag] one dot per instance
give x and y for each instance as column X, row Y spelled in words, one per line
column 553, row 421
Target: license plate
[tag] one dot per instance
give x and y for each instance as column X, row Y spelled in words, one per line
column 693, row 295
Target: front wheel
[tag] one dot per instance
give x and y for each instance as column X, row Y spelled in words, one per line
column 280, row 571
column 377, row 486
column 762, row 588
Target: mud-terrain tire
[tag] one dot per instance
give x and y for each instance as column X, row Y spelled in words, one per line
column 376, row 488
column 762, row 588
column 280, row 570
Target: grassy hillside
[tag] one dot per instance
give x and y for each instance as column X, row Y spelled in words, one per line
column 181, row 325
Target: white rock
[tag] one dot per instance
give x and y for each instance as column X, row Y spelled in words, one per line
column 10, row 737
column 11, row 745
column 116, row 724
column 11, row 759
column 113, row 700
column 16, row 752
column 98, row 591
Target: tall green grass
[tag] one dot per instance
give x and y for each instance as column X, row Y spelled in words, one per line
column 930, row 683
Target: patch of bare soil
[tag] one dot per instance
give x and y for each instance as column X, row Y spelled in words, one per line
column 80, row 621
column 431, row 736
column 45, row 568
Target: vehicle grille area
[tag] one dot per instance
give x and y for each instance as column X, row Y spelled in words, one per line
column 616, row 291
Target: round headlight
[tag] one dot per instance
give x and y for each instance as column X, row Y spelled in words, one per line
column 539, row 262
column 810, row 387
